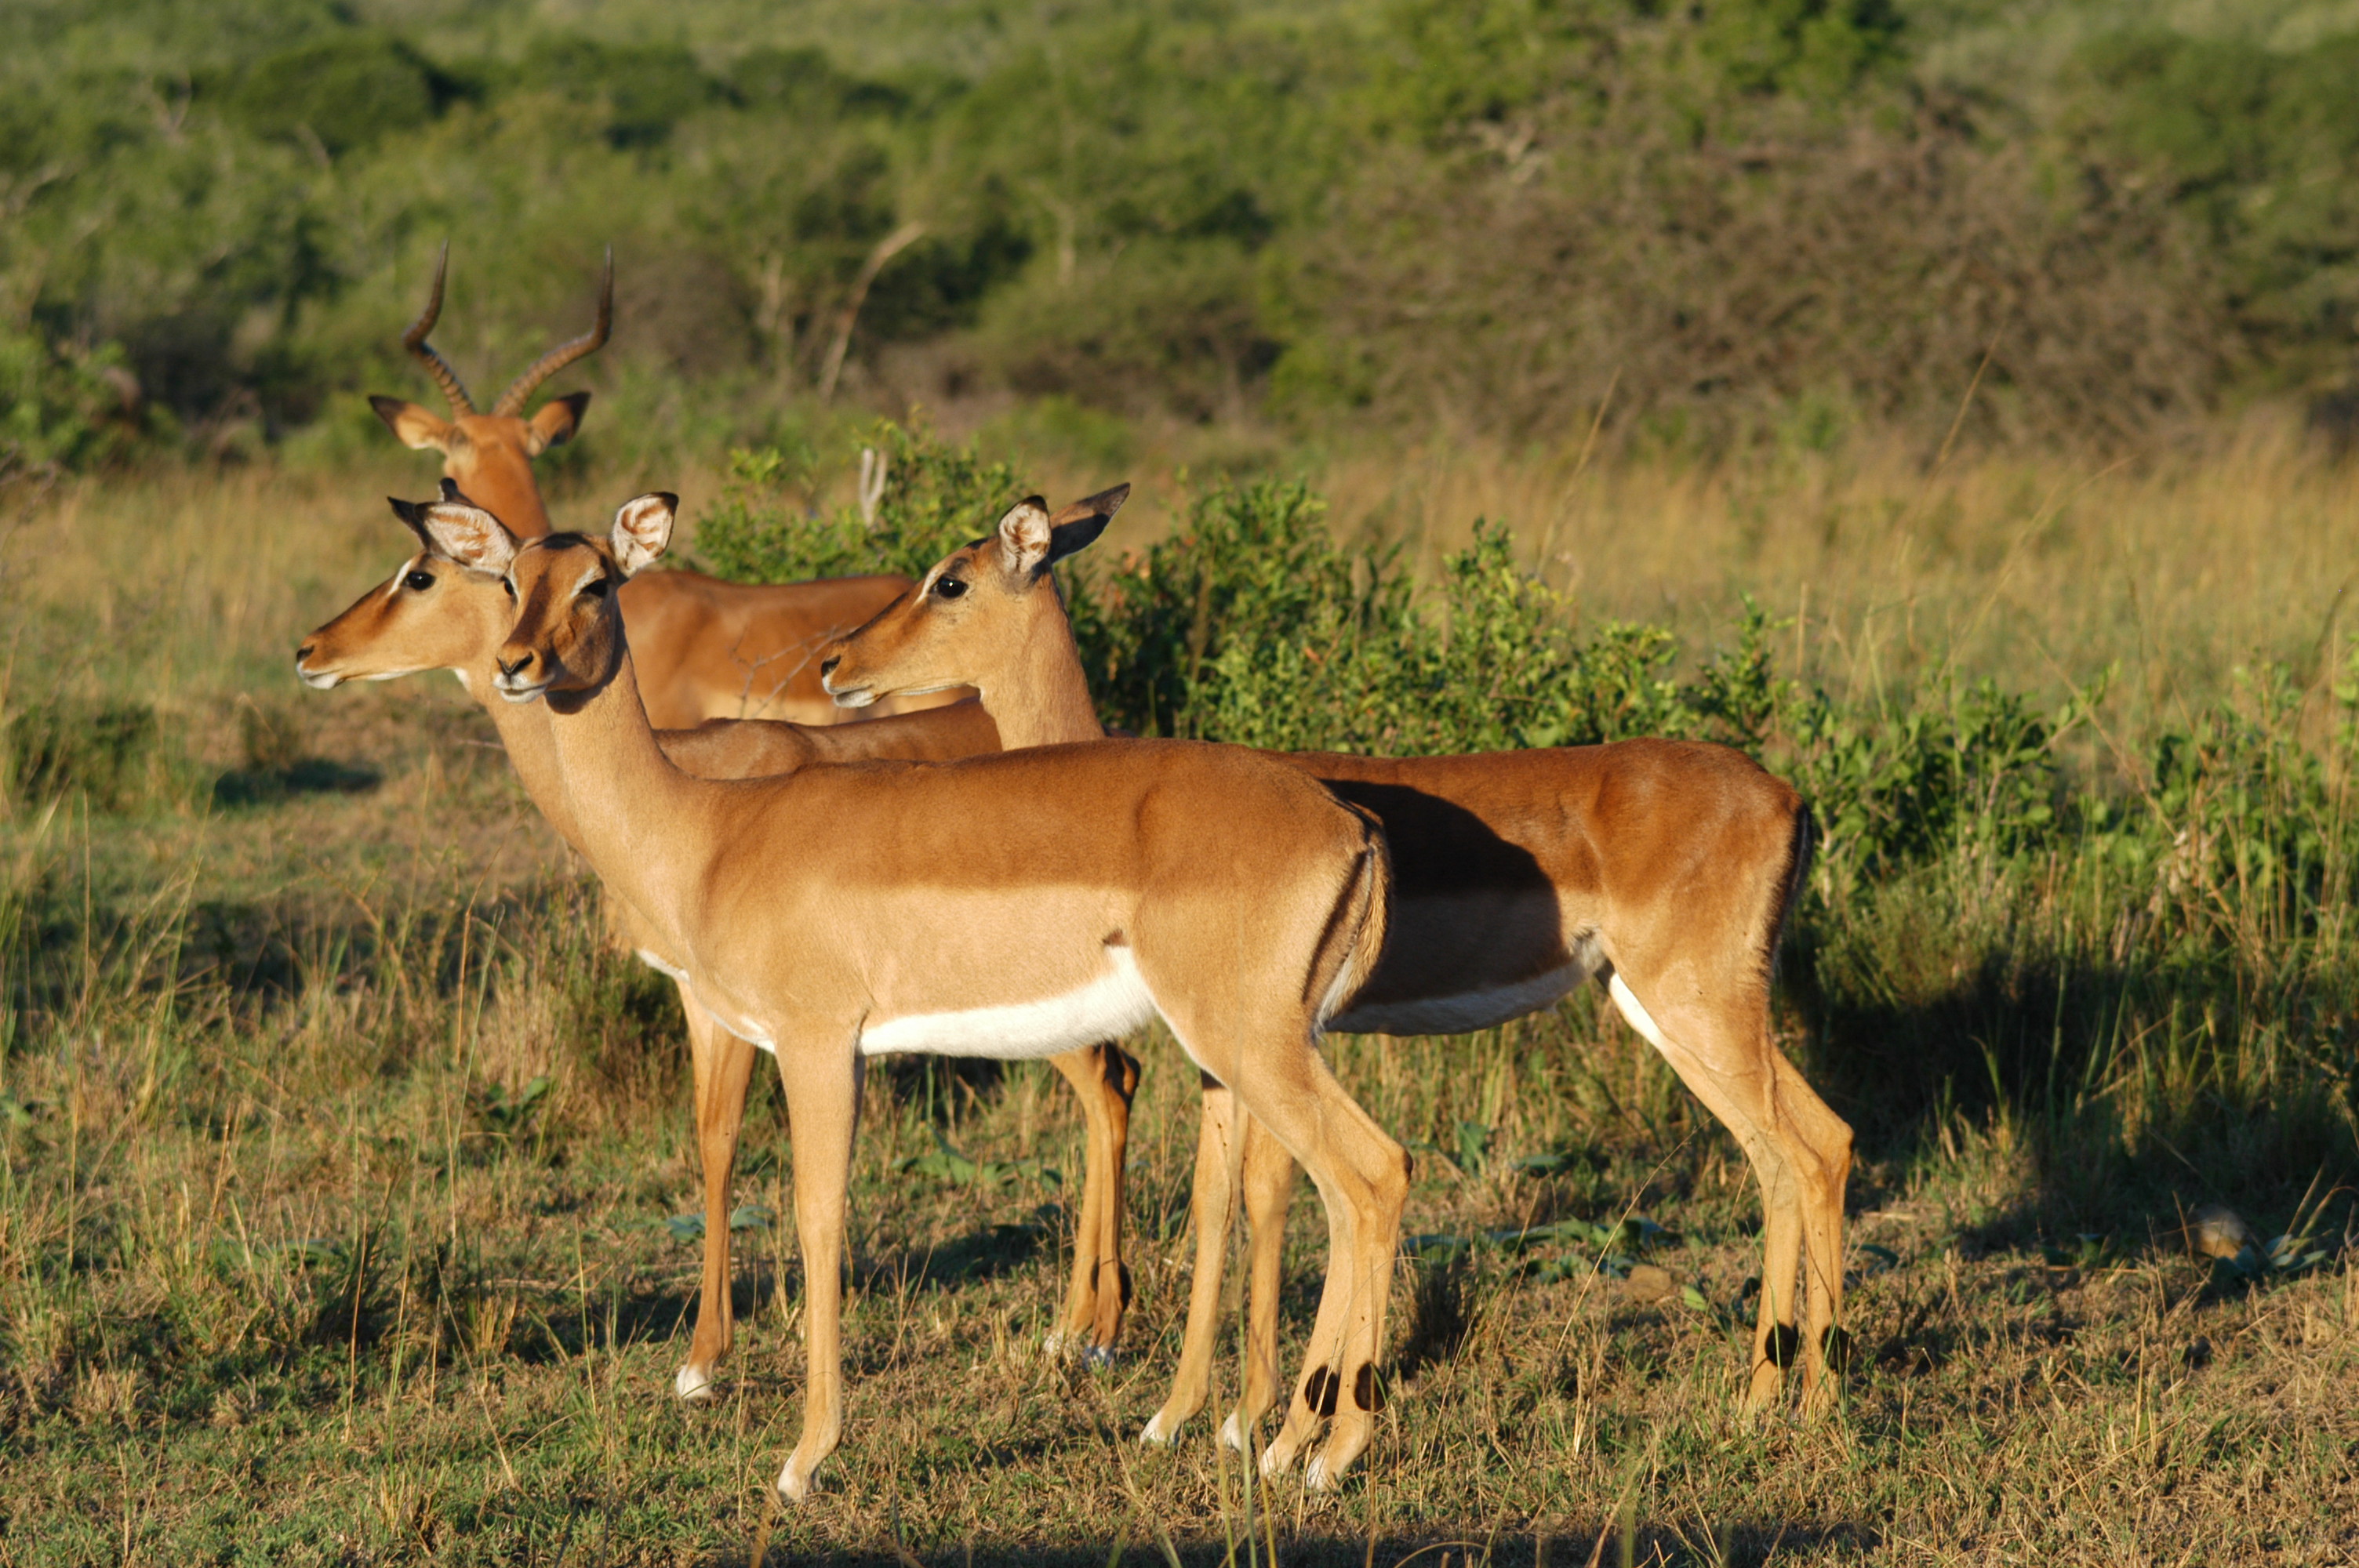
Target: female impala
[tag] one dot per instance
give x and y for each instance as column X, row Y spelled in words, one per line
column 707, row 649
column 431, row 614
column 1006, row 906
column 1665, row 867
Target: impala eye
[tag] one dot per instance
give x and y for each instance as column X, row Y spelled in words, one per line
column 594, row 590
column 948, row 588
column 511, row 590
column 418, row 582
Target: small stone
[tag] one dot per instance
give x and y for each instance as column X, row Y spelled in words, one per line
column 1647, row 1284
column 2215, row 1231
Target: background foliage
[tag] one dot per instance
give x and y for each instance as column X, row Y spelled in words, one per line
column 1737, row 216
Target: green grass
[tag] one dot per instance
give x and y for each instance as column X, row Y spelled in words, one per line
column 337, row 1158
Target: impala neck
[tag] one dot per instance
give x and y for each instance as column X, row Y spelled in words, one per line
column 497, row 476
column 531, row 745
column 1040, row 695
column 634, row 813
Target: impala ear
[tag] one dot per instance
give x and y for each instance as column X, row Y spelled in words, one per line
column 643, row 529
column 412, row 426
column 558, row 421
column 413, row 517
column 1076, row 527
column 462, row 533
column 1023, row 537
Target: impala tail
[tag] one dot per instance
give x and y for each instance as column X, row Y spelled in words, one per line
column 1354, row 942
column 1801, row 845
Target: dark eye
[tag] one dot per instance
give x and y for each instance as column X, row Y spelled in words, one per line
column 511, row 590
column 418, row 582
column 594, row 590
column 948, row 588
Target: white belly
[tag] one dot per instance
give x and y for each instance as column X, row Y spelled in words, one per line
column 1106, row 1009
column 1467, row 1010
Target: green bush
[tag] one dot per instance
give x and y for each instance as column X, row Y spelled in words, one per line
column 348, row 90
column 766, row 527
column 56, row 406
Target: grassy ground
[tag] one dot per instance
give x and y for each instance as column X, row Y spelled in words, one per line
column 341, row 1162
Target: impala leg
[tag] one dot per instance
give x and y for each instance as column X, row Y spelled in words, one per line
column 1363, row 1180
column 1075, row 1321
column 823, row 1087
column 722, row 1065
column 1212, row 1205
column 1267, row 1177
column 1801, row 1153
column 1119, row 1081
column 1825, row 1168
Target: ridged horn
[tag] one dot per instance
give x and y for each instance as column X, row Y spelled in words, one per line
column 512, row 401
column 423, row 351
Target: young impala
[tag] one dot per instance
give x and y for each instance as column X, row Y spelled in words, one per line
column 1665, row 868
column 431, row 614
column 707, row 649
column 1007, row 906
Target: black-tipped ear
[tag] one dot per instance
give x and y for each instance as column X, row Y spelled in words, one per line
column 413, row 516
column 1066, row 537
column 1076, row 527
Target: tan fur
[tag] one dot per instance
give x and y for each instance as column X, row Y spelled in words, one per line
column 1663, row 866
column 706, row 648
column 455, row 621
column 1237, row 890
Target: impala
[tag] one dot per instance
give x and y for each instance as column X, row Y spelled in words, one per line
column 707, row 649
column 1665, row 868
column 431, row 614
column 1006, row 906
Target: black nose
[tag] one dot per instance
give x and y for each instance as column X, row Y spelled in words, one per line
column 826, row 666
column 521, row 662
column 304, row 652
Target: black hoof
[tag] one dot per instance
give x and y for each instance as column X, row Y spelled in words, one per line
column 1098, row 1358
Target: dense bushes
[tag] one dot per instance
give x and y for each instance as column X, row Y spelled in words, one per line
column 1407, row 210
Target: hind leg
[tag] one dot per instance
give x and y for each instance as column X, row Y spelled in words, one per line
column 1219, row 1147
column 1801, row 1153
column 1362, row 1181
column 1267, row 1178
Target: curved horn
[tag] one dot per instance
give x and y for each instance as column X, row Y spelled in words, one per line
column 512, row 401
column 415, row 341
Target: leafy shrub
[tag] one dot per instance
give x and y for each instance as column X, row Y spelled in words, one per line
column 643, row 90
column 347, row 89
column 76, row 410
column 766, row 528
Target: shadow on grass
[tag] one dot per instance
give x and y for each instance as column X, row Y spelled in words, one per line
column 313, row 776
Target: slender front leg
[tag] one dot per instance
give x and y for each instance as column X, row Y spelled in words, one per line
column 822, row 1083
column 722, row 1065
column 1118, row 1078
column 1104, row 1078
column 1213, row 1204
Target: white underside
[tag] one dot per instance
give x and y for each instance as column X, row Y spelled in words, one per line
column 1641, row 1020
column 1468, row 1010
column 1106, row 1009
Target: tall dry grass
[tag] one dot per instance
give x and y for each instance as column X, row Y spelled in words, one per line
column 1894, row 557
